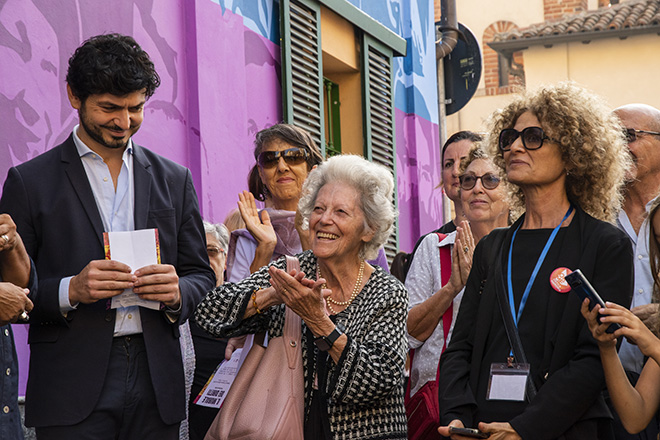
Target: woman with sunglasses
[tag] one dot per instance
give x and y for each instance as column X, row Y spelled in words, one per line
column 522, row 362
column 433, row 304
column 284, row 155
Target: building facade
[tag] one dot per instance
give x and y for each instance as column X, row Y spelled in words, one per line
column 359, row 74
column 607, row 47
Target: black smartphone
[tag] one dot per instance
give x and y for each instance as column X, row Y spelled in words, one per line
column 468, row 432
column 580, row 285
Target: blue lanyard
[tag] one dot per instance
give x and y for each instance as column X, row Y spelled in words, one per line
column 539, row 262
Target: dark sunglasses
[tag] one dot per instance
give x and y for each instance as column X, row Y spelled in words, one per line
column 631, row 134
column 488, row 180
column 292, row 156
column 532, row 138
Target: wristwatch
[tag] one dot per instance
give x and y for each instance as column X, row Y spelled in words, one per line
column 325, row 343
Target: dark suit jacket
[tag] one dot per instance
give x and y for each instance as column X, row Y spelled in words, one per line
column 51, row 201
column 570, row 377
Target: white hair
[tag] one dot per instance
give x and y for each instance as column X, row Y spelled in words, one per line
column 219, row 231
column 375, row 185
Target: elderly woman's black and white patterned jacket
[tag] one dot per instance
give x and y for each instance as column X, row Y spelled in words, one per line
column 365, row 388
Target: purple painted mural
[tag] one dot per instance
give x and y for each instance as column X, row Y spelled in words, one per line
column 220, row 85
column 220, row 69
column 239, row 94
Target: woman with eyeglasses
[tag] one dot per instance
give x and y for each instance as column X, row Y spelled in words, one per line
column 454, row 150
column 433, row 304
column 482, row 197
column 522, row 362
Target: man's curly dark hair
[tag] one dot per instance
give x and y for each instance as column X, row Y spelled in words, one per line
column 111, row 63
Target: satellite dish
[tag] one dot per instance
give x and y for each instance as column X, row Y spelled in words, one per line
column 463, row 68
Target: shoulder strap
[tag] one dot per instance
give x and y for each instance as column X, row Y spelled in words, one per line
column 292, row 325
column 445, row 274
column 509, row 325
column 445, row 260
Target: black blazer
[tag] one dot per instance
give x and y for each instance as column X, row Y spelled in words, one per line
column 570, row 378
column 51, row 201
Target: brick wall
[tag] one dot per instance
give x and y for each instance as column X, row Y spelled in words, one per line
column 553, row 9
column 491, row 60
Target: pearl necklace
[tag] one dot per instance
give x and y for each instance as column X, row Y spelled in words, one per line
column 356, row 289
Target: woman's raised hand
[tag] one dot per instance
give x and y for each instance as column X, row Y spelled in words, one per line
column 462, row 252
column 260, row 227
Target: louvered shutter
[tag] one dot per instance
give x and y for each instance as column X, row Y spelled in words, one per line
column 379, row 116
column 302, row 87
column 302, row 71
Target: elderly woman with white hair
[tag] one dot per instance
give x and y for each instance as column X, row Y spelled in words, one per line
column 354, row 314
column 217, row 242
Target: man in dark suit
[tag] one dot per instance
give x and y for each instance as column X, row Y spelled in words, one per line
column 97, row 371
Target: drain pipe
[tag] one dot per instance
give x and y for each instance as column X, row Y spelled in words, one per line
column 447, row 34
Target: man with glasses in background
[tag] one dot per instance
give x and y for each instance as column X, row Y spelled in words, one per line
column 642, row 129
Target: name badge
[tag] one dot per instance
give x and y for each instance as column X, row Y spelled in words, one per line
column 508, row 382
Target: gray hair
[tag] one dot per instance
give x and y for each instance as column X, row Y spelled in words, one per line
column 219, row 231
column 373, row 182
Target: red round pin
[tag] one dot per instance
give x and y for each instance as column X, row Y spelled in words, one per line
column 557, row 280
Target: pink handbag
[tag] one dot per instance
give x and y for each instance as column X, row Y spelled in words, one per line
column 266, row 399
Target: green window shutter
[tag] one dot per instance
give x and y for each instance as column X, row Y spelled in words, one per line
column 377, row 74
column 332, row 118
column 302, row 71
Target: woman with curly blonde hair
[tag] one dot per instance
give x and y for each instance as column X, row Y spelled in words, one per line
column 529, row 369
column 591, row 143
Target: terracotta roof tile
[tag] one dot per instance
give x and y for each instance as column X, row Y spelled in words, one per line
column 626, row 15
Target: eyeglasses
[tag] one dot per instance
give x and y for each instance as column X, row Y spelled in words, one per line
column 214, row 251
column 631, row 134
column 292, row 156
column 488, row 180
column 532, row 138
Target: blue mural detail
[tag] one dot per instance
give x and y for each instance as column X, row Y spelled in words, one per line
column 260, row 16
column 388, row 14
column 415, row 77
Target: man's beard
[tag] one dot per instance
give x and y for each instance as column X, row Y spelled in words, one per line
column 94, row 132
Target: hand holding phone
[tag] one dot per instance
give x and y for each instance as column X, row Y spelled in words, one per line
column 580, row 285
column 468, row 432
